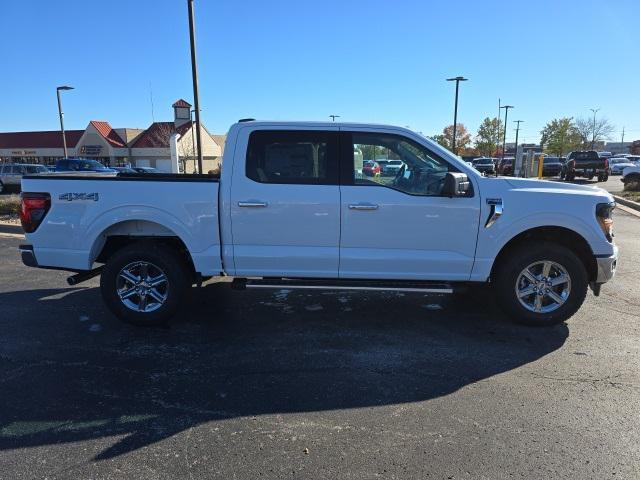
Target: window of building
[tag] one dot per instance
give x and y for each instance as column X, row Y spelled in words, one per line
column 299, row 157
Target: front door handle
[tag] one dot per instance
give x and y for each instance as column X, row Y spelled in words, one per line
column 363, row 206
column 252, row 204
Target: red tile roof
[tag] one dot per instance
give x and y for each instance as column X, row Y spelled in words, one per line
column 45, row 139
column 181, row 103
column 108, row 133
column 157, row 135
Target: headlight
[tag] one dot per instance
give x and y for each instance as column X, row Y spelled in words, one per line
column 604, row 214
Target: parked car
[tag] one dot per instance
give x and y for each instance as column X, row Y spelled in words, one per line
column 81, row 165
column 11, row 174
column 146, row 170
column 485, row 165
column 633, row 158
column 587, row 164
column 124, row 169
column 371, row 168
column 289, row 211
column 552, row 167
column 505, row 167
column 631, row 175
column 390, row 167
column 617, row 165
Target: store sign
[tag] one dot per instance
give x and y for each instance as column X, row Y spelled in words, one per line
column 90, row 149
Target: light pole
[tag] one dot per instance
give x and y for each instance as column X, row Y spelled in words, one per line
column 61, row 115
column 194, row 74
column 333, row 117
column 593, row 133
column 193, row 141
column 504, row 135
column 455, row 110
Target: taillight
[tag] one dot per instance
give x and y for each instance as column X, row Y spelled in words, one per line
column 33, row 208
column 606, row 163
column 604, row 214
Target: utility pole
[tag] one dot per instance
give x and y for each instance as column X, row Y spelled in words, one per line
column 498, row 129
column 622, row 140
column 593, row 133
column 61, row 115
column 504, row 137
column 517, row 122
column 457, row 79
column 333, row 117
column 194, row 74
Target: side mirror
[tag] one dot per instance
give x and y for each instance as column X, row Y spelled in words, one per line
column 456, row 185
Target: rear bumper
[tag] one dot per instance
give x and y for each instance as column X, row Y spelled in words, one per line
column 607, row 266
column 28, row 257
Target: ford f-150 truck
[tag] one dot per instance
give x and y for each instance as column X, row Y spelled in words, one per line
column 293, row 209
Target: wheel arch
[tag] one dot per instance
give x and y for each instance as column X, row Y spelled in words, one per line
column 554, row 234
column 127, row 232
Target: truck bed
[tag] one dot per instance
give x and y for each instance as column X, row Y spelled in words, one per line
column 87, row 208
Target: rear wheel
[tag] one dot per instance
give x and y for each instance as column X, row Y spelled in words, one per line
column 541, row 285
column 144, row 283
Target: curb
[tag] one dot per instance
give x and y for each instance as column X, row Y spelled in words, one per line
column 11, row 228
column 627, row 203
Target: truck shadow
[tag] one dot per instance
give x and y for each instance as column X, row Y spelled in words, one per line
column 70, row 372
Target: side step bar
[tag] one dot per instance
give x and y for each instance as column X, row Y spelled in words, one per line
column 332, row 284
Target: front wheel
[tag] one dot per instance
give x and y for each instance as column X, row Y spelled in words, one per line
column 541, row 285
column 144, row 283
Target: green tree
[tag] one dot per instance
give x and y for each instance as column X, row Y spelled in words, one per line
column 559, row 136
column 489, row 136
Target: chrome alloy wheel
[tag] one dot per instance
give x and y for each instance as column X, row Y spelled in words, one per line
column 543, row 286
column 142, row 286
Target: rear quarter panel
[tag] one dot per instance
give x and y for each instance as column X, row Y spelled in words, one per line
column 73, row 230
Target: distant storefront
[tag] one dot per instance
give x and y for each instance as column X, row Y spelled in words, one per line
column 118, row 146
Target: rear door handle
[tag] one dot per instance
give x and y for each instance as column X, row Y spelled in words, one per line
column 363, row 206
column 252, row 204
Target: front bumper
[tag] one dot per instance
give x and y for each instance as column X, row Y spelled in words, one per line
column 607, row 266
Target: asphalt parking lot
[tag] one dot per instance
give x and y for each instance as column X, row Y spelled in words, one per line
column 316, row 385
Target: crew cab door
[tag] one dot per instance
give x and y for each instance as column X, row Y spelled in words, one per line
column 285, row 203
column 401, row 226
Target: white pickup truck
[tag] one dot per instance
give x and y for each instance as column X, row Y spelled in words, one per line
column 292, row 209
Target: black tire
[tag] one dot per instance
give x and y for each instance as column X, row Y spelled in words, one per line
column 2, row 189
column 605, row 177
column 158, row 258
column 508, row 274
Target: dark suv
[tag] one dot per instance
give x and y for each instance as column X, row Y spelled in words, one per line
column 587, row 164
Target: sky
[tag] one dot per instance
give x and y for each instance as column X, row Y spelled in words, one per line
column 382, row 61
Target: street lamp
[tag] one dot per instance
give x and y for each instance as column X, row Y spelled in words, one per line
column 61, row 115
column 455, row 110
column 193, row 141
column 504, row 135
column 333, row 117
column 593, row 133
column 194, row 75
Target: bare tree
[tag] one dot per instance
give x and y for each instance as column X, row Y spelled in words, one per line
column 592, row 131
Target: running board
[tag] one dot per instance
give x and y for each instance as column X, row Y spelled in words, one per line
column 326, row 284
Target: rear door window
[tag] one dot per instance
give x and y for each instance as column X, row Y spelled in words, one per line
column 293, row 157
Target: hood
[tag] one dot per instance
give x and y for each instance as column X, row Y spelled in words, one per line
column 544, row 186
